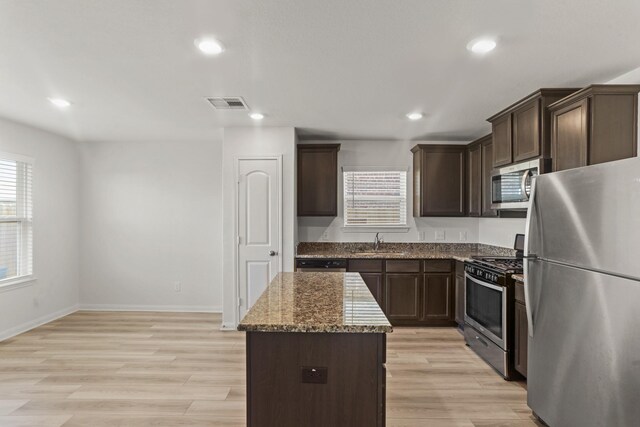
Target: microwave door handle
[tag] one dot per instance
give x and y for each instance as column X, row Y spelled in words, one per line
column 523, row 183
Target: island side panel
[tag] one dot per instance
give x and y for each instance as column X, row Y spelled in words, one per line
column 353, row 395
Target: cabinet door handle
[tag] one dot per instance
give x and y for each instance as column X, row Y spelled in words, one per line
column 273, row 253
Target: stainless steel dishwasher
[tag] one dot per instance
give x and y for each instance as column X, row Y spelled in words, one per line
column 331, row 265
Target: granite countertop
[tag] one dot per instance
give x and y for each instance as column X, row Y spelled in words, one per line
column 518, row 277
column 316, row 302
column 457, row 251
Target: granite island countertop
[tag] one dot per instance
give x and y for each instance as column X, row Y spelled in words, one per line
column 518, row 277
column 316, row 302
column 457, row 251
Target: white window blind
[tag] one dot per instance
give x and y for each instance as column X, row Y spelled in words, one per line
column 16, row 219
column 375, row 198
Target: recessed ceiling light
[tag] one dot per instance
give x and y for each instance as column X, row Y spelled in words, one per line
column 481, row 45
column 209, row 46
column 415, row 116
column 59, row 102
column 256, row 116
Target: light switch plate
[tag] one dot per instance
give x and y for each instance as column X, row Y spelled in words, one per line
column 463, row 236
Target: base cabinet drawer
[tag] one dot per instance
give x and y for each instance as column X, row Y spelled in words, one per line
column 403, row 266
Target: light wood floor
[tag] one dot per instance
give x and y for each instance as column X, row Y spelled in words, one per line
column 177, row 369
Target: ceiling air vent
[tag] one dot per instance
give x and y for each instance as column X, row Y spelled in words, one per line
column 228, row 103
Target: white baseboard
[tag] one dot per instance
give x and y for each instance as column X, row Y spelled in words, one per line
column 12, row 332
column 165, row 308
column 228, row 327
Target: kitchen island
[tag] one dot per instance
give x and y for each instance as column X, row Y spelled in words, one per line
column 316, row 348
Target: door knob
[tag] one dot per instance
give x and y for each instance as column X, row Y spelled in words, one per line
column 273, row 253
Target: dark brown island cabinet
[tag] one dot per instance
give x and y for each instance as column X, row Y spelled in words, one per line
column 316, row 367
column 521, row 331
column 594, row 125
column 318, row 179
column 522, row 131
column 439, row 176
column 479, row 167
column 411, row 292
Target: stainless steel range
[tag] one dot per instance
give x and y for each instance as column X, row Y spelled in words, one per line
column 489, row 307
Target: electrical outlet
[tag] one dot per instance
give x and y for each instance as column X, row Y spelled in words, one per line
column 440, row 235
column 325, row 236
column 177, row 286
column 463, row 236
column 422, row 236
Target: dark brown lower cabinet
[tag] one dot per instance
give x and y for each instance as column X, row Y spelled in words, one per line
column 371, row 271
column 437, row 298
column 521, row 335
column 460, row 291
column 402, row 296
column 349, row 391
column 413, row 292
column 374, row 283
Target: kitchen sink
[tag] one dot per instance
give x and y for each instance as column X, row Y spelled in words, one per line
column 381, row 254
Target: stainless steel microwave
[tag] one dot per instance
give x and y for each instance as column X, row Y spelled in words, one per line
column 511, row 185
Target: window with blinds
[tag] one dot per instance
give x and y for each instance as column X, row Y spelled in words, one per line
column 375, row 198
column 16, row 218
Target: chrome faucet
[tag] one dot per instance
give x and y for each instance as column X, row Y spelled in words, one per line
column 377, row 241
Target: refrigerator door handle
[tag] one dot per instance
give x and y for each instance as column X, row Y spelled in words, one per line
column 533, row 233
column 528, row 298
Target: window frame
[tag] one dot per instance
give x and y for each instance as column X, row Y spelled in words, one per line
column 372, row 227
column 25, row 224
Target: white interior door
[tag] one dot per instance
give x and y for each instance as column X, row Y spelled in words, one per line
column 259, row 229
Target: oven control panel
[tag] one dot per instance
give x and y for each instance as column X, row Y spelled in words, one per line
column 484, row 274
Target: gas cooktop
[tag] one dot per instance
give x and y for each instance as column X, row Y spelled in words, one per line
column 510, row 265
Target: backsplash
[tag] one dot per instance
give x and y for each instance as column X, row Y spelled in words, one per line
column 433, row 230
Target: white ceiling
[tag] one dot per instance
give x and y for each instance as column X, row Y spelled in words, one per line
column 348, row 68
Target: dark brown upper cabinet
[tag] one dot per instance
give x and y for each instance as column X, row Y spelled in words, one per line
column 502, row 145
column 439, row 180
column 595, row 125
column 522, row 131
column 479, row 167
column 486, row 144
column 474, row 179
column 318, row 179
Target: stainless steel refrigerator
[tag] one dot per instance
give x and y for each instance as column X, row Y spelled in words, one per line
column 582, row 274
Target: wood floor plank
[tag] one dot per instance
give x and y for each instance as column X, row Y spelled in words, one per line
column 34, row 421
column 139, row 369
column 156, row 421
column 9, row 405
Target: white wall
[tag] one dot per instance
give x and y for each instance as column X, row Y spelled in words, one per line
column 151, row 216
column 56, row 232
column 255, row 141
column 630, row 78
column 393, row 154
column 500, row 231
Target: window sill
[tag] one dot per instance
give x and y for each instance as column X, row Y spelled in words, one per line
column 374, row 229
column 16, row 283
